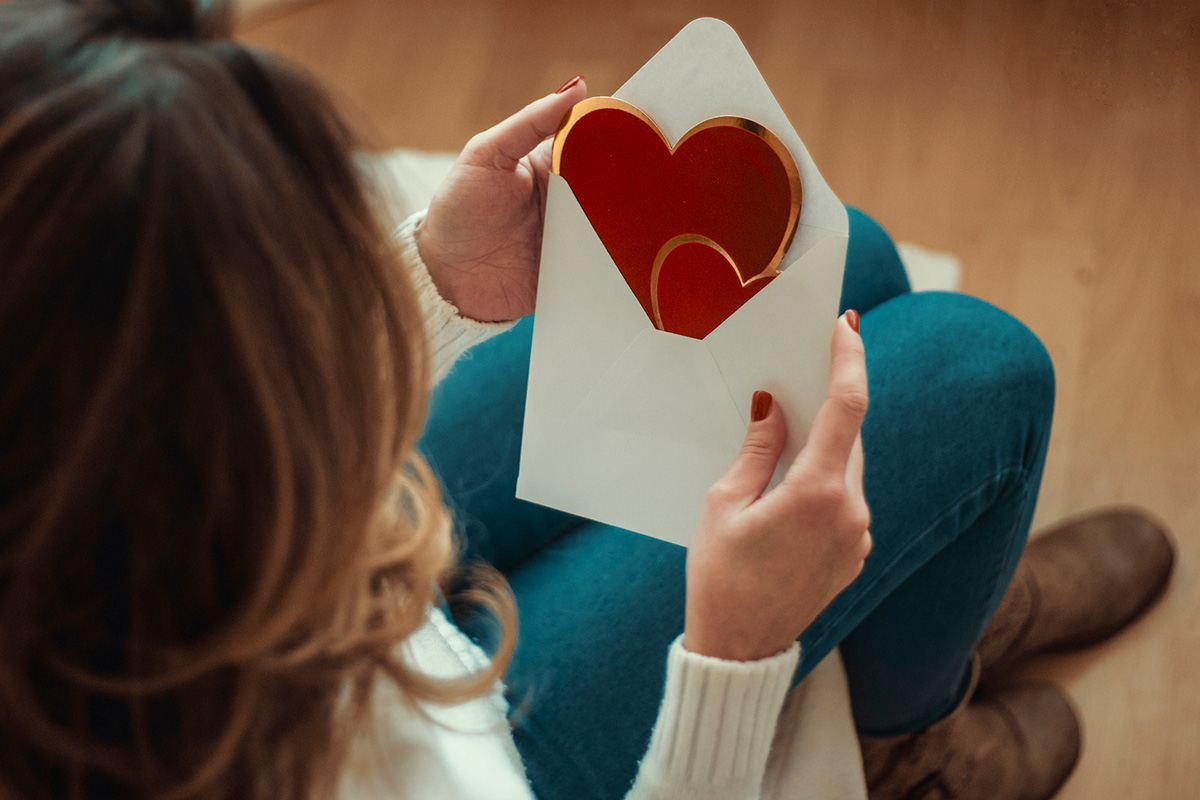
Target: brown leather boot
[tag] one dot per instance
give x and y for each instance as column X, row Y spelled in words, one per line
column 1078, row 584
column 1017, row 743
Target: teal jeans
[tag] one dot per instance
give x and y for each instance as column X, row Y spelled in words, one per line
column 962, row 396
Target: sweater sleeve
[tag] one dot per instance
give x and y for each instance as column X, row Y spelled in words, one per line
column 715, row 727
column 449, row 333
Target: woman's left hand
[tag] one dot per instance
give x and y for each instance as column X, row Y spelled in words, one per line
column 482, row 236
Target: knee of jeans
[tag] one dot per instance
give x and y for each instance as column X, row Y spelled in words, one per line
column 863, row 224
column 1029, row 373
column 1013, row 365
column 865, row 233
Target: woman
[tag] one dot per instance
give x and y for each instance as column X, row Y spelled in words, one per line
column 217, row 582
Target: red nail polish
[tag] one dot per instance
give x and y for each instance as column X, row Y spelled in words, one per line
column 760, row 406
column 852, row 319
column 569, row 84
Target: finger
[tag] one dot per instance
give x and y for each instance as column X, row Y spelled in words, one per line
column 840, row 417
column 858, row 560
column 504, row 145
column 750, row 473
column 542, row 157
column 865, row 545
column 854, row 470
column 540, row 161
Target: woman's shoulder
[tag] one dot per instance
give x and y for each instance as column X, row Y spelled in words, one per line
column 440, row 649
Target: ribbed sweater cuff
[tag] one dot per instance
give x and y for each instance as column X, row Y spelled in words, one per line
column 450, row 334
column 715, row 726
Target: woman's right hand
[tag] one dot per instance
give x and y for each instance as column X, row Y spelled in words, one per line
column 763, row 564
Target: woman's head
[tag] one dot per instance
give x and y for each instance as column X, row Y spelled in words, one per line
column 213, row 371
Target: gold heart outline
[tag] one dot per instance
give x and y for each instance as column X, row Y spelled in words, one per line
column 695, row 238
column 585, row 107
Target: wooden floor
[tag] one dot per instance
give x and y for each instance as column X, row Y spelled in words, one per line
column 1054, row 146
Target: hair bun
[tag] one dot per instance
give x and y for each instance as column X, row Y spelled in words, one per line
column 163, row 19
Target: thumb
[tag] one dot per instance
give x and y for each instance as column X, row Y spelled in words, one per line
column 504, row 145
column 839, row 420
column 750, row 473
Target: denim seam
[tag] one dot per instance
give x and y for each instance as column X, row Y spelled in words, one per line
column 955, row 702
column 1000, row 475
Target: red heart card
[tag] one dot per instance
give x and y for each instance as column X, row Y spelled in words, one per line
column 729, row 187
column 696, row 286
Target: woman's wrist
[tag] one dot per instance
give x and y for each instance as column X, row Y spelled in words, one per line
column 728, row 648
column 437, row 268
column 449, row 332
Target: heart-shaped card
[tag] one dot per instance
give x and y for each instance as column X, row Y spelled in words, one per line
column 697, row 228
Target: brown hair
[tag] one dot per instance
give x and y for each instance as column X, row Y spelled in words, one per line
column 213, row 526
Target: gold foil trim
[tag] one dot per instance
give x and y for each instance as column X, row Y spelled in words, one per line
column 694, row 238
column 584, row 107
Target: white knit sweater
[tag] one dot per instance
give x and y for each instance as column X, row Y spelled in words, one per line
column 726, row 730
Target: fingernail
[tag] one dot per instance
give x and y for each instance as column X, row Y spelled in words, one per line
column 852, row 319
column 569, row 84
column 760, row 406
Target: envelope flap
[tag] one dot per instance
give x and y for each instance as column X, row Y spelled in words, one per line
column 572, row 344
column 705, row 72
column 666, row 388
column 644, row 445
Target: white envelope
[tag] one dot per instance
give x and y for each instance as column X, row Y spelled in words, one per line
column 630, row 425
